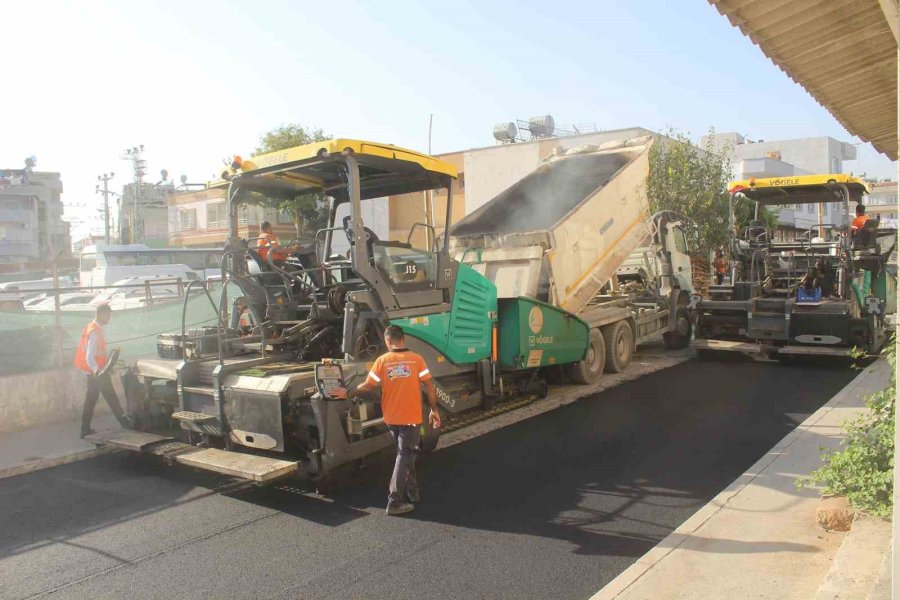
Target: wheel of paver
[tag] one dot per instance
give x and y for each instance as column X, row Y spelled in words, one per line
column 619, row 346
column 684, row 328
column 590, row 369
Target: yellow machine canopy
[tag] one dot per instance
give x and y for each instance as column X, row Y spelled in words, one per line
column 384, row 170
column 801, row 189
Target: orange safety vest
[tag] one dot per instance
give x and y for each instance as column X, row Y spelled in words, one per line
column 266, row 241
column 81, row 351
column 859, row 222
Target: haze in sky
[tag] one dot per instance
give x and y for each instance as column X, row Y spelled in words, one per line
column 199, row 81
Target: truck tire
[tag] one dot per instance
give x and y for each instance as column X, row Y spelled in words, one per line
column 684, row 328
column 590, row 369
column 619, row 346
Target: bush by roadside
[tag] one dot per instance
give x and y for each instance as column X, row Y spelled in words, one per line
column 862, row 468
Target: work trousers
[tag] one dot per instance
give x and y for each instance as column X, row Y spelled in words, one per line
column 404, row 484
column 96, row 386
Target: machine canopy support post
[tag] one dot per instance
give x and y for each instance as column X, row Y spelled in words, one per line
column 447, row 216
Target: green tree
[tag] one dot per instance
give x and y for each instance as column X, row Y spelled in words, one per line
column 309, row 212
column 693, row 181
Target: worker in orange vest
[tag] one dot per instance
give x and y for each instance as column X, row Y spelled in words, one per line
column 90, row 357
column 721, row 265
column 268, row 242
column 860, row 220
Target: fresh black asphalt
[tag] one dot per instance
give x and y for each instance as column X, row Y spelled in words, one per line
column 552, row 507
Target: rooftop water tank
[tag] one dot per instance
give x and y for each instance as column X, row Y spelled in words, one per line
column 541, row 126
column 505, row 132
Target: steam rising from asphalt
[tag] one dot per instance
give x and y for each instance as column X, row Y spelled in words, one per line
column 543, row 197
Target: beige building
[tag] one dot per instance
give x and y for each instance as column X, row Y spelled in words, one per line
column 197, row 219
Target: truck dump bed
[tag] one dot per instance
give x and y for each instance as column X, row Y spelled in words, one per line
column 560, row 233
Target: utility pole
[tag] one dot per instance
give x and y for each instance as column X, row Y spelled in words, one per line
column 137, row 164
column 105, row 179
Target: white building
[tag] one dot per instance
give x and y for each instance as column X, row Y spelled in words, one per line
column 882, row 202
column 784, row 158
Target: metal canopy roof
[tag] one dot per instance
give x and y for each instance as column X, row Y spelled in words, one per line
column 843, row 52
column 800, row 189
column 384, row 170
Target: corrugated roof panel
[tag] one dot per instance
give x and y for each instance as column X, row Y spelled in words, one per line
column 842, row 52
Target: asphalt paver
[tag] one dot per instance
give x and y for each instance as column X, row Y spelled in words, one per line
column 553, row 506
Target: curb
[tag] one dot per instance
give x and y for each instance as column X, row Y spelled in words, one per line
column 48, row 463
column 859, row 561
column 671, row 542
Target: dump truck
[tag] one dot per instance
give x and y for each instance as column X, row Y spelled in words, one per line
column 576, row 234
column 495, row 310
column 826, row 293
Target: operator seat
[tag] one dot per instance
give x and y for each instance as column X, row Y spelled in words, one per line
column 866, row 238
column 757, row 234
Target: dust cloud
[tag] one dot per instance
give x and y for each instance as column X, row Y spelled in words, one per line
column 543, row 197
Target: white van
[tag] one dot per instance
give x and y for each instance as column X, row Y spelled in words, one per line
column 28, row 289
column 102, row 277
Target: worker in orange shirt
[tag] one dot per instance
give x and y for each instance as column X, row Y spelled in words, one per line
column 400, row 373
column 860, row 220
column 268, row 242
column 90, row 357
column 721, row 266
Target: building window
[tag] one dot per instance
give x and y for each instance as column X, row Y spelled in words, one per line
column 215, row 215
column 188, row 218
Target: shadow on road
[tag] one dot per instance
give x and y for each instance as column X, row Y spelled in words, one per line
column 610, row 475
column 614, row 474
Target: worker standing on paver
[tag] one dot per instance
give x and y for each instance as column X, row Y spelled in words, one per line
column 401, row 373
column 90, row 357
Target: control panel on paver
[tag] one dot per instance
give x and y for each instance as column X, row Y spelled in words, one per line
column 329, row 377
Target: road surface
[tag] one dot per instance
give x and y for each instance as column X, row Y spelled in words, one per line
column 554, row 506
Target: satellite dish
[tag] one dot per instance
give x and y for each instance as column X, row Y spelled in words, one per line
column 164, row 174
column 183, row 179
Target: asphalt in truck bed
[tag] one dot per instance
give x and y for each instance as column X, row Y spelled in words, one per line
column 551, row 507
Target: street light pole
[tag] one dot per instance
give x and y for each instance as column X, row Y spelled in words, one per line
column 105, row 179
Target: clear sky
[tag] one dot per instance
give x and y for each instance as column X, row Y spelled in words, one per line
column 198, row 81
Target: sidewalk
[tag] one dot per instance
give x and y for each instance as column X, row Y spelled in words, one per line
column 758, row 538
column 48, row 446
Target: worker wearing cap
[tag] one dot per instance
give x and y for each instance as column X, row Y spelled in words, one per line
column 401, row 373
column 860, row 221
column 90, row 357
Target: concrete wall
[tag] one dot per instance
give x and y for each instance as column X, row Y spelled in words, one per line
column 37, row 399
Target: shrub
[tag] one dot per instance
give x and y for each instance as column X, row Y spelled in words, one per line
column 862, row 469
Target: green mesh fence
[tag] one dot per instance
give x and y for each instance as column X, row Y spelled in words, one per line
column 27, row 339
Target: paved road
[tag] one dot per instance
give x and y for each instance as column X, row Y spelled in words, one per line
column 551, row 507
